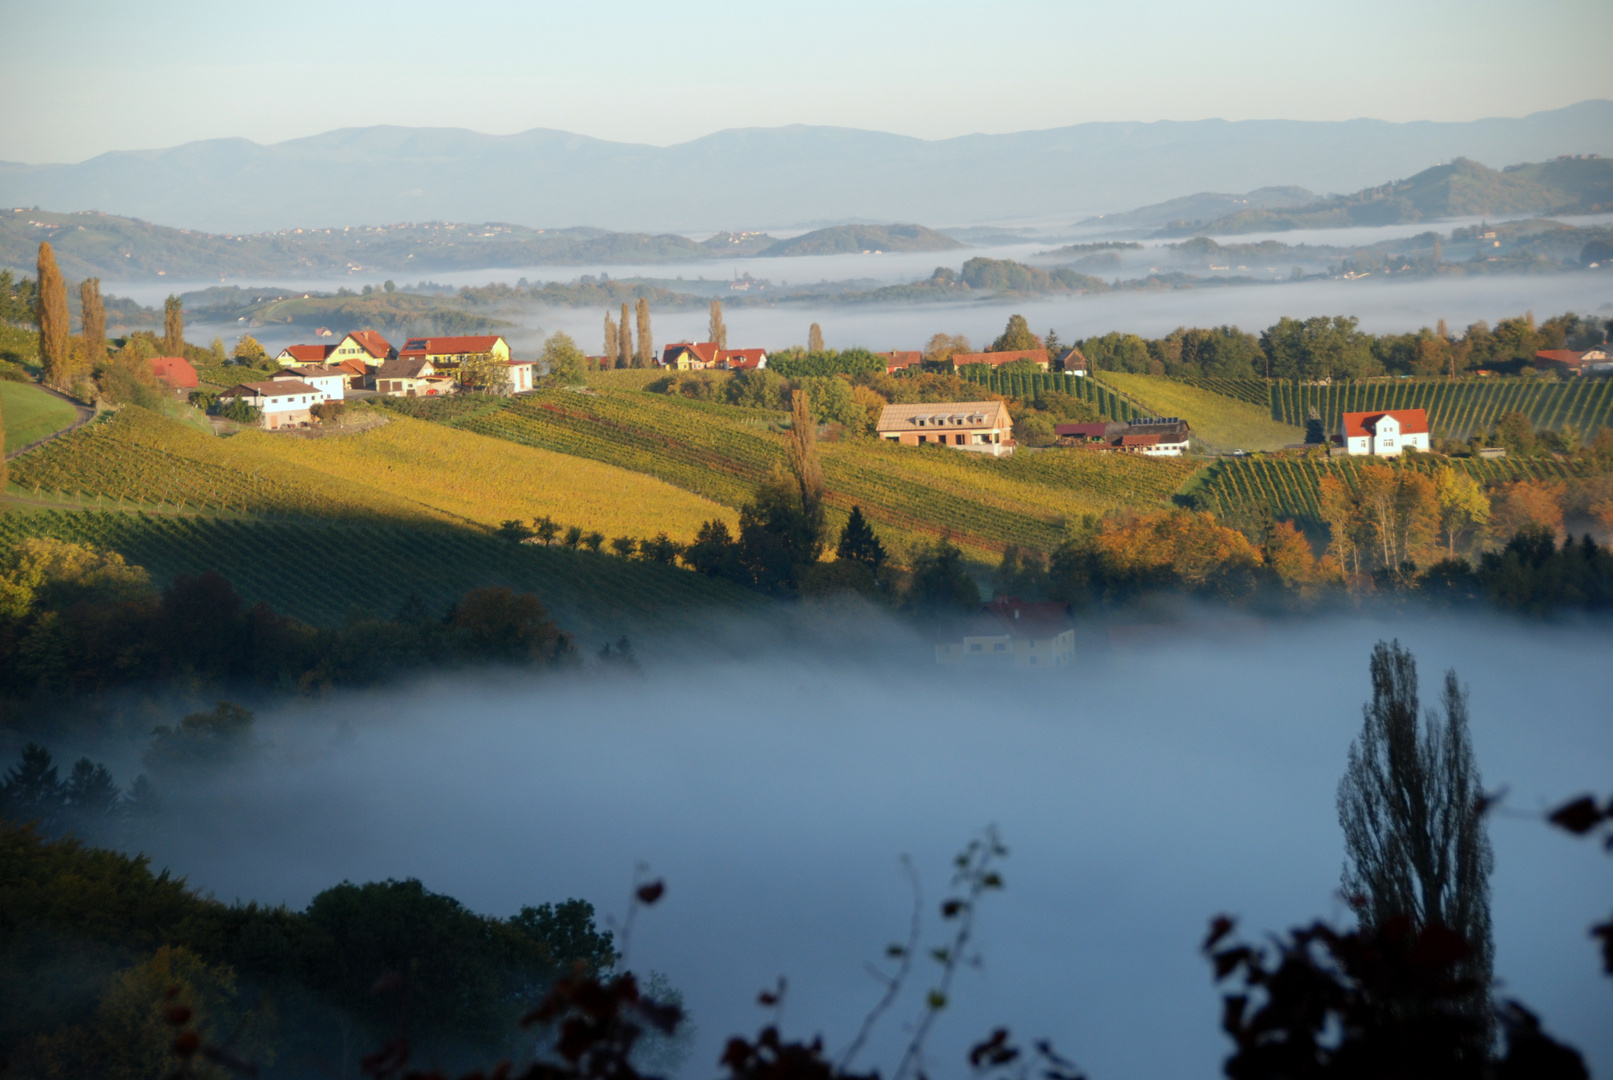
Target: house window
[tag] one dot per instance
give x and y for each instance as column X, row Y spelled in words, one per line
column 974, row 646
column 959, row 440
column 924, row 438
column 998, row 646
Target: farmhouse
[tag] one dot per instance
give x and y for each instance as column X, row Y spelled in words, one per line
column 411, row 376
column 1384, row 434
column 298, row 355
column 329, row 382
column 174, row 372
column 690, row 355
column 983, row 427
column 1155, row 436
column 998, row 359
column 897, row 361
column 741, row 359
column 1011, row 633
column 1072, row 361
column 449, row 352
column 284, row 402
column 1569, row 362
column 362, row 347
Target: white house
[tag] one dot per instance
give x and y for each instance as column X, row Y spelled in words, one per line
column 285, row 402
column 331, row 382
column 520, row 375
column 1383, row 434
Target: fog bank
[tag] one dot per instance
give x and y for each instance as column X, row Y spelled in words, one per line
column 1140, row 792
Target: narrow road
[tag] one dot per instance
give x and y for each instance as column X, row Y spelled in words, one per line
column 85, row 415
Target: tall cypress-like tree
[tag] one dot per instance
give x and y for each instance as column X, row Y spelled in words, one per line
column 803, row 451
column 93, row 317
column 646, row 340
column 610, row 340
column 1411, row 806
column 173, row 327
column 715, row 330
column 815, row 339
column 5, row 469
column 624, row 341
column 50, row 311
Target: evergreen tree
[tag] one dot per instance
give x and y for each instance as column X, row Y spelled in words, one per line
column 610, row 340
column 858, row 543
column 715, row 330
column 173, row 327
column 646, row 340
column 815, row 339
column 50, row 312
column 31, row 789
column 1015, row 336
column 624, row 341
column 1412, row 809
column 93, row 318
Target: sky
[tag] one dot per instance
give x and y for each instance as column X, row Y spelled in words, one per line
column 89, row 76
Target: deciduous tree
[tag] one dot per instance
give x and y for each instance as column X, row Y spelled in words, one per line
column 645, row 355
column 624, row 341
column 815, row 339
column 50, row 312
column 563, row 361
column 1411, row 805
column 1463, row 506
column 1015, row 337
column 93, row 319
column 173, row 326
column 803, row 451
column 612, row 351
column 715, row 330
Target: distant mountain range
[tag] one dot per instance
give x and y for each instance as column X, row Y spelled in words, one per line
column 754, row 179
column 1462, row 188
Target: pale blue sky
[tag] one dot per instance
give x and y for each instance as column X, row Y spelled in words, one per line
column 86, row 76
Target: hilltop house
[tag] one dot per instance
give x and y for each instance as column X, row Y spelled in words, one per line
column 1011, row 633
column 998, row 359
column 298, row 355
column 284, row 402
column 1383, row 434
column 983, row 427
column 330, row 383
column 446, row 353
column 1569, row 362
column 741, row 359
column 363, row 347
column 411, row 376
column 706, row 356
column 174, row 372
column 1072, row 361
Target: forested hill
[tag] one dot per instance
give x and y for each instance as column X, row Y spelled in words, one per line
column 1460, row 188
column 89, row 243
column 852, row 239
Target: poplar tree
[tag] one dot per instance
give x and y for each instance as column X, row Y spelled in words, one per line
column 716, row 331
column 624, row 340
column 1411, row 805
column 815, row 339
column 646, row 340
column 94, row 320
column 173, row 326
column 803, row 452
column 610, row 340
column 5, row 470
column 50, row 311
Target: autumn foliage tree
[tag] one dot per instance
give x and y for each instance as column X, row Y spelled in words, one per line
column 173, row 326
column 93, row 319
column 624, row 341
column 645, row 356
column 815, row 338
column 50, row 312
column 715, row 329
column 611, row 353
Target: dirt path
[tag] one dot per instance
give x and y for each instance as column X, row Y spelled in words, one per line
column 85, row 415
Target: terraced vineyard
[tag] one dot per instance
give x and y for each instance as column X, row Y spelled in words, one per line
column 1108, row 403
column 1458, row 408
column 913, row 494
column 1289, row 484
column 324, row 572
column 1254, row 391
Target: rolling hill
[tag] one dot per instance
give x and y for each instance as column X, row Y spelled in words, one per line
column 853, row 239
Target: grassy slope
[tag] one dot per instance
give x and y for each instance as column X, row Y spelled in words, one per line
column 912, row 494
column 31, row 414
column 324, row 573
column 1220, row 422
column 404, row 471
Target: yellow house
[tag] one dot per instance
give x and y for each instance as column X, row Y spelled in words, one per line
column 362, row 347
column 450, row 352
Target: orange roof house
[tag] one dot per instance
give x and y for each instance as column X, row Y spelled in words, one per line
column 452, row 351
column 741, row 359
column 298, row 355
column 1570, row 362
column 174, row 371
column 896, row 360
column 690, row 355
column 998, row 359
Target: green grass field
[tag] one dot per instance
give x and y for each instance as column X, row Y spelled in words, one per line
column 31, row 414
column 327, row 572
column 1218, row 421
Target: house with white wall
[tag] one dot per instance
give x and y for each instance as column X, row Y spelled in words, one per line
column 1383, row 434
column 283, row 402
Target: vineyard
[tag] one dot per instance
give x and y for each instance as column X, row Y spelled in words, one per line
column 325, row 572
column 1254, row 391
column 1456, row 409
column 913, row 495
column 1288, row 485
column 1109, row 404
column 406, row 470
column 1217, row 421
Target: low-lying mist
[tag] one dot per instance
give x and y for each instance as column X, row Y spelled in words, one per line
column 775, row 783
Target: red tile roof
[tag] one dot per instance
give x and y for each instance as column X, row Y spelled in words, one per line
column 997, row 359
column 1083, row 431
column 309, row 354
column 896, row 360
column 449, row 346
column 704, row 351
column 1034, row 620
column 1412, row 422
column 1137, row 440
column 741, row 359
column 174, row 370
column 373, row 343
